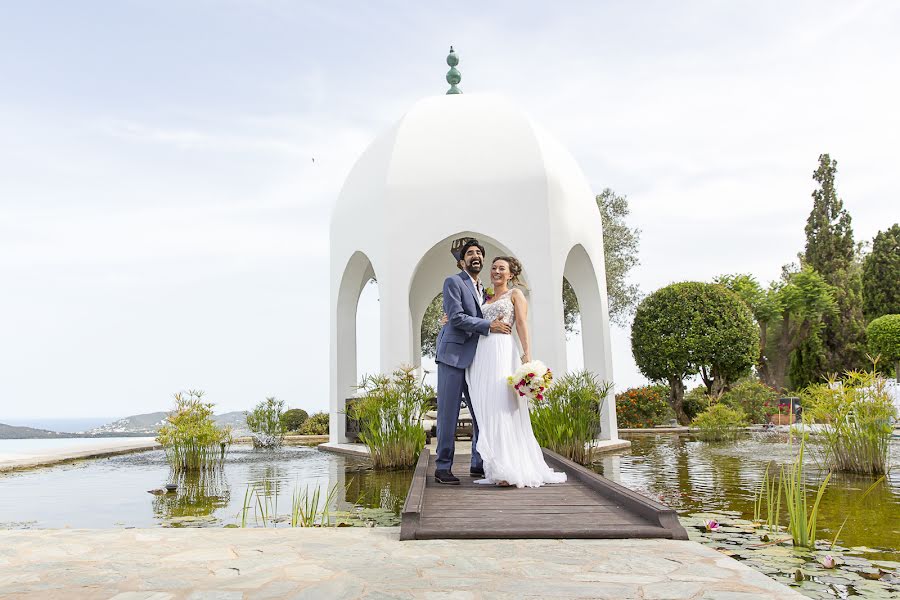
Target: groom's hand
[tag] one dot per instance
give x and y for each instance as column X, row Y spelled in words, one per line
column 498, row 326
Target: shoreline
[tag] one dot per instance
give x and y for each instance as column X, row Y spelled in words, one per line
column 50, row 457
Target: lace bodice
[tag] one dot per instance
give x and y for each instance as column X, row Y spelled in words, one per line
column 502, row 307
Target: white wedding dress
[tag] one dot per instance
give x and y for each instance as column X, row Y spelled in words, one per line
column 506, row 441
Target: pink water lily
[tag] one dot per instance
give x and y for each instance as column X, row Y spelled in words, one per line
column 712, row 525
column 828, row 561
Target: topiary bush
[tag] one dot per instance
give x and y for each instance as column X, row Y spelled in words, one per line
column 719, row 422
column 316, row 424
column 642, row 407
column 689, row 328
column 757, row 400
column 294, row 419
column 884, row 340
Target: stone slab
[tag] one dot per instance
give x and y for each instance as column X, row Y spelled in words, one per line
column 362, row 563
column 101, row 449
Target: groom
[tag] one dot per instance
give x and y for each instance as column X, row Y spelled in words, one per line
column 456, row 343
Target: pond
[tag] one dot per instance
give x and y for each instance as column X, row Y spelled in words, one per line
column 686, row 474
column 113, row 492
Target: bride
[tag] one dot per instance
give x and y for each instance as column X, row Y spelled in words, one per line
column 506, row 442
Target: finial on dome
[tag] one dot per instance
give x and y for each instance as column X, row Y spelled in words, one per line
column 453, row 76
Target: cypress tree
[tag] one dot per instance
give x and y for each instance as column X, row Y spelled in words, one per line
column 830, row 251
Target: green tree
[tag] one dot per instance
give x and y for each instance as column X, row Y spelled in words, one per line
column 294, row 419
column 689, row 328
column 884, row 340
column 830, row 250
column 804, row 300
column 620, row 255
column 431, row 326
column 881, row 275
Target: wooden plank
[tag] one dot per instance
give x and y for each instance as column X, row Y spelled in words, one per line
column 412, row 508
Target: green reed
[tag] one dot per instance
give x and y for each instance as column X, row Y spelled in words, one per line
column 390, row 415
column 801, row 516
column 855, row 417
column 308, row 509
column 190, row 438
column 769, row 494
column 568, row 419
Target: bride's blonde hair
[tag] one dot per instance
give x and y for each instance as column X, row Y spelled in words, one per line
column 515, row 267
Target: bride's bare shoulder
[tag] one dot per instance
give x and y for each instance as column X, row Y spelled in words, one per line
column 517, row 295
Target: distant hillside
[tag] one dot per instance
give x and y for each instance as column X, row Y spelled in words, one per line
column 149, row 424
column 15, row 432
column 136, row 425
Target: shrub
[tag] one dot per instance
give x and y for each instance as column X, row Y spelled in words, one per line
column 266, row 423
column 884, row 340
column 718, row 422
column 316, row 424
column 757, row 400
column 190, row 438
column 855, row 415
column 696, row 401
column 688, row 328
column 294, row 419
column 568, row 418
column 390, row 417
column 642, row 406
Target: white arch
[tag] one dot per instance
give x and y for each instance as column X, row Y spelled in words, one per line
column 435, row 265
column 591, row 293
column 356, row 274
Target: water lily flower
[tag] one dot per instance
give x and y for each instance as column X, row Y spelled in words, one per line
column 828, row 561
column 712, row 525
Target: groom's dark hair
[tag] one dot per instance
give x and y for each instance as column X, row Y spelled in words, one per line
column 468, row 244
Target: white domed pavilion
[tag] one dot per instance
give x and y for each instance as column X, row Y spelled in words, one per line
column 456, row 166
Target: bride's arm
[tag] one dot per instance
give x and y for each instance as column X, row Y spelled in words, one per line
column 520, row 306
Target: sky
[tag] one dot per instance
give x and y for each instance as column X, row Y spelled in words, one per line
column 167, row 169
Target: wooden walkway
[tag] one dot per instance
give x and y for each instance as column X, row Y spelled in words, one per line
column 586, row 506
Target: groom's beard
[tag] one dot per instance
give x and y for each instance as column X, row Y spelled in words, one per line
column 473, row 269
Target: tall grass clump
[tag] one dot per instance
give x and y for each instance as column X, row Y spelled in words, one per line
column 719, row 422
column 801, row 516
column 190, row 437
column 567, row 420
column 266, row 423
column 390, row 417
column 855, row 418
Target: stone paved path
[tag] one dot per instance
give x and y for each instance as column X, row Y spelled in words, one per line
column 226, row 564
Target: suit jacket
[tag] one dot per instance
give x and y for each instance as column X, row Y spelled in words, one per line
column 458, row 339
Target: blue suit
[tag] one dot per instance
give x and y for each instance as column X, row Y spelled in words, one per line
column 456, row 346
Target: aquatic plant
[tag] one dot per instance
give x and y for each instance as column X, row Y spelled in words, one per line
column 266, row 423
column 768, row 495
column 389, row 414
column 718, row 422
column 801, row 517
column 854, row 416
column 307, row 509
column 568, row 419
column 190, row 437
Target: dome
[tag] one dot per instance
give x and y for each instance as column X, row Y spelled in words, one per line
column 456, row 151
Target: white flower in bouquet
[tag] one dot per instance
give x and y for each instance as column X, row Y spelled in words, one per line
column 532, row 380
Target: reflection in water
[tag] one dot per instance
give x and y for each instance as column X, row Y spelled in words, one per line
column 199, row 494
column 693, row 476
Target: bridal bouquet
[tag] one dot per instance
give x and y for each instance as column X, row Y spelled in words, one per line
column 531, row 380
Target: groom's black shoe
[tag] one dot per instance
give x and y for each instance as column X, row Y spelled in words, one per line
column 476, row 471
column 445, row 477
